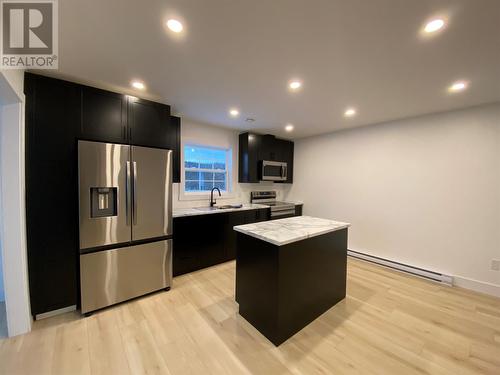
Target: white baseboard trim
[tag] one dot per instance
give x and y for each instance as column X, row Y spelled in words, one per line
column 477, row 286
column 458, row 281
column 420, row 272
column 49, row 314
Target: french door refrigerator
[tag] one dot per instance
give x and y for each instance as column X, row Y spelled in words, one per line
column 125, row 198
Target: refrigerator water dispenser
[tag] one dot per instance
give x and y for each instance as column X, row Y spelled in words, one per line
column 103, row 202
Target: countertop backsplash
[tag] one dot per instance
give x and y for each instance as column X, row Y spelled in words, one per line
column 240, row 194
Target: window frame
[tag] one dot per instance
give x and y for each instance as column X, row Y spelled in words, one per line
column 198, row 195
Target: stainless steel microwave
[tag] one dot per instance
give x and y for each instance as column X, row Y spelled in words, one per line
column 273, row 170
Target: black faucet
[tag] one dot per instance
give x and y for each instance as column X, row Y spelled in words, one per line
column 212, row 201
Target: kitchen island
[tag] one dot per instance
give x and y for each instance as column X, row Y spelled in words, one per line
column 289, row 272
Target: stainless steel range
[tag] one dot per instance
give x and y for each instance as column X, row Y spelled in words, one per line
column 279, row 210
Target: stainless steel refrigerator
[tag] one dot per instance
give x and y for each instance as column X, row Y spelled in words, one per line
column 125, row 222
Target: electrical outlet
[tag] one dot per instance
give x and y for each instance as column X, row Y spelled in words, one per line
column 495, row 264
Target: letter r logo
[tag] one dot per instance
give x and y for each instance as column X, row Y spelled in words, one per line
column 27, row 28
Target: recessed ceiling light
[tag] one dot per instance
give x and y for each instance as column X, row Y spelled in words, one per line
column 175, row 26
column 295, row 85
column 138, row 85
column 434, row 25
column 234, row 112
column 289, row 127
column 349, row 112
column 458, row 86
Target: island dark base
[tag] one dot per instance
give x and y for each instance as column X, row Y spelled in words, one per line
column 281, row 289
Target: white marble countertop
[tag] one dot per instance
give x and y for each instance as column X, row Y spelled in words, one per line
column 284, row 231
column 180, row 212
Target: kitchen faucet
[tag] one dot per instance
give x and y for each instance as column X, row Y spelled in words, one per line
column 212, row 201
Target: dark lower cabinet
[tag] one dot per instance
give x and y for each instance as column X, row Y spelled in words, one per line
column 52, row 118
column 205, row 240
column 281, row 289
column 197, row 242
column 240, row 218
column 298, row 210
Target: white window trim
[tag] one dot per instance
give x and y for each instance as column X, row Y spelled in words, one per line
column 194, row 196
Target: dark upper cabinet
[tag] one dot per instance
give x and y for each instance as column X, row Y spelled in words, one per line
column 253, row 148
column 104, row 116
column 250, row 146
column 149, row 123
column 53, row 115
column 287, row 150
column 117, row 118
column 175, row 145
column 271, row 148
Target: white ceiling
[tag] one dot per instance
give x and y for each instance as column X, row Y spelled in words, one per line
column 240, row 53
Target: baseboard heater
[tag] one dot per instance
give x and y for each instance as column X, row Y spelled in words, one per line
column 426, row 274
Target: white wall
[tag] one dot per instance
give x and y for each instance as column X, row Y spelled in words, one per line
column 423, row 191
column 15, row 78
column 202, row 134
column 2, row 294
column 12, row 202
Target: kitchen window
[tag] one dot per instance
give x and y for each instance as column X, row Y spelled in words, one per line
column 206, row 167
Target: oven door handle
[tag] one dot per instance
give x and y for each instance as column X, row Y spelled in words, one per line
column 287, row 212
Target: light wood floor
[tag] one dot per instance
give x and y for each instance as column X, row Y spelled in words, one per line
column 390, row 323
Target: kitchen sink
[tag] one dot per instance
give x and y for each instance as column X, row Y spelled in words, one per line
column 227, row 206
column 207, row 208
column 215, row 208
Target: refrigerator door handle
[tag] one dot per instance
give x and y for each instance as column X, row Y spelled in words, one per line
column 128, row 194
column 134, row 204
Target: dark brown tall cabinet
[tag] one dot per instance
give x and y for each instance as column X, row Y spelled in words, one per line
column 53, row 113
column 58, row 113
